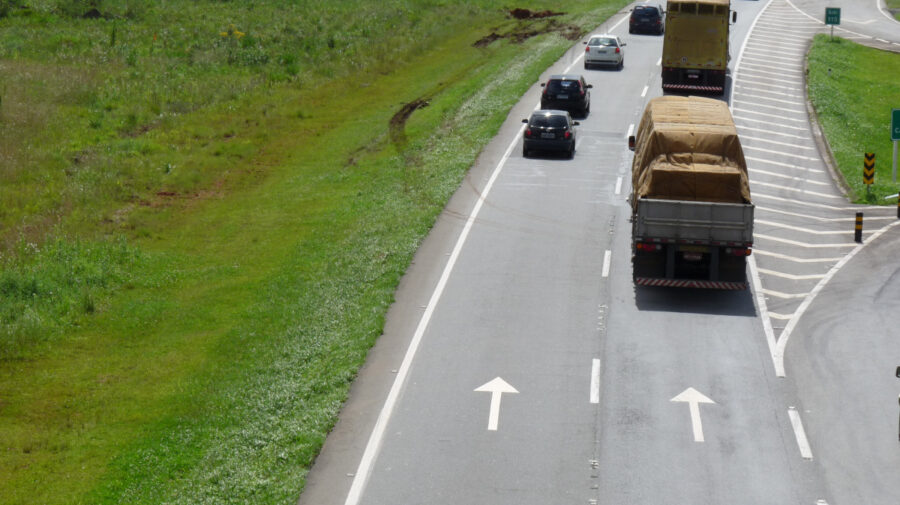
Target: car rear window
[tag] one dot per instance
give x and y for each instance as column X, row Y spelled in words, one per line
column 603, row 41
column 563, row 86
column 646, row 12
column 549, row 121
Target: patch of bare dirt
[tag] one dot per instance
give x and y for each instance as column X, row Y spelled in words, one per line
column 398, row 121
column 530, row 14
column 525, row 30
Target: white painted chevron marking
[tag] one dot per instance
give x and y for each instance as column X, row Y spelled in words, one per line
column 786, row 296
column 794, row 146
column 797, row 190
column 783, row 317
column 781, row 153
column 790, row 276
column 804, row 244
column 788, row 177
column 763, row 252
column 803, row 230
column 847, row 219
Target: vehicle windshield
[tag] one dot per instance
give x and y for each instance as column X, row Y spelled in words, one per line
column 549, row 121
column 603, row 41
column 563, row 87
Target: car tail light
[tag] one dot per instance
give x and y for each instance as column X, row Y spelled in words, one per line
column 528, row 132
column 568, row 135
column 617, row 50
column 587, row 49
column 738, row 251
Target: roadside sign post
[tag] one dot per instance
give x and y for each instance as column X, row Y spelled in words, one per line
column 868, row 171
column 832, row 17
column 895, row 136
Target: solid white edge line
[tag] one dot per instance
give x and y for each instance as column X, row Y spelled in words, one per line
column 595, row 381
column 800, row 433
column 754, row 273
column 361, row 476
column 606, row 257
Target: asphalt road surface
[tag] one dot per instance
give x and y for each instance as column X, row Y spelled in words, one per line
column 520, row 365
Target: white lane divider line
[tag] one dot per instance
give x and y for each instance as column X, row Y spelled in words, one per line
column 595, row 381
column 644, row 93
column 630, row 131
column 606, row 258
column 802, row 442
column 619, row 185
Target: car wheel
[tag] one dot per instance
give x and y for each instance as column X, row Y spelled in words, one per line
column 572, row 152
column 586, row 66
column 621, row 64
column 630, row 30
column 524, row 152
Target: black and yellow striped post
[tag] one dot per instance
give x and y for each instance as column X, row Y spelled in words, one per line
column 858, row 234
column 898, row 206
column 869, row 171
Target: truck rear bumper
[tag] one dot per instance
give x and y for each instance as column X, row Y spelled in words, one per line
column 690, row 283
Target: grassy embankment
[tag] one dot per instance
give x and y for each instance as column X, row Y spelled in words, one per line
column 204, row 215
column 894, row 7
column 854, row 106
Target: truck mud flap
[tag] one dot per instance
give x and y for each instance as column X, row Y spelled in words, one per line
column 690, row 283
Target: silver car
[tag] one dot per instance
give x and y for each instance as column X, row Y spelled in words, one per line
column 604, row 50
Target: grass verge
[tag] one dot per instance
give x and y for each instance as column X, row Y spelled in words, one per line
column 853, row 89
column 218, row 273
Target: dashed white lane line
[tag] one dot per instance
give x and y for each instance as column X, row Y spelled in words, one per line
column 644, row 93
column 800, row 433
column 804, row 244
column 630, row 131
column 619, row 186
column 763, row 252
column 791, row 276
column 606, row 262
column 595, row 381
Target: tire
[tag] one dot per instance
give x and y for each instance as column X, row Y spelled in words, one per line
column 524, row 152
column 621, row 64
column 572, row 153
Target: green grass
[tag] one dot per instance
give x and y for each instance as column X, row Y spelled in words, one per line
column 201, row 234
column 893, row 7
column 854, row 106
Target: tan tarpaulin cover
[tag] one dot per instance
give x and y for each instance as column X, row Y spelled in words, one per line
column 687, row 148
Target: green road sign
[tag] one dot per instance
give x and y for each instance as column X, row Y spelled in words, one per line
column 832, row 15
column 895, row 124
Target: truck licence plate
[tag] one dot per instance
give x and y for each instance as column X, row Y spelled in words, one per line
column 694, row 248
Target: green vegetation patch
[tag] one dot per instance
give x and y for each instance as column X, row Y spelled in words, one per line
column 853, row 89
column 207, row 206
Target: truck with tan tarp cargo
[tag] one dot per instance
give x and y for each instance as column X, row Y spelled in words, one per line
column 695, row 46
column 692, row 218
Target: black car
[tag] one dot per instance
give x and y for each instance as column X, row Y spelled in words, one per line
column 549, row 130
column 647, row 19
column 567, row 92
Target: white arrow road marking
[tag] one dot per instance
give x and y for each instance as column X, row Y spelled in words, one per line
column 496, row 388
column 694, row 398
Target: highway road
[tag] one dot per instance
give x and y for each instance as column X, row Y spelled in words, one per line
column 520, row 365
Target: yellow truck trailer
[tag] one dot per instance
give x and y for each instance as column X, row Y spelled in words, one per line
column 695, row 46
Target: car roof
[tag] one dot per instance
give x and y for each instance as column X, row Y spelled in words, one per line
column 610, row 35
column 565, row 77
column 645, row 7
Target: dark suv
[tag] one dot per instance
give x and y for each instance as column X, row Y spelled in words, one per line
column 567, row 92
column 647, row 19
column 549, row 130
